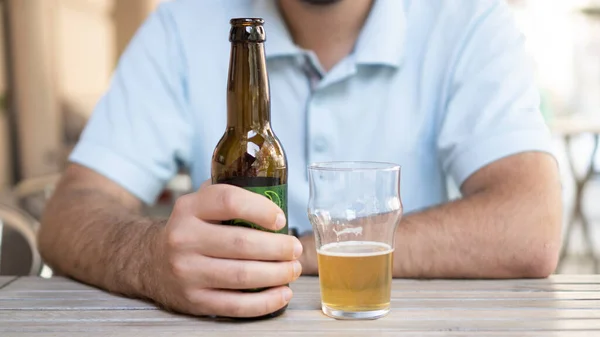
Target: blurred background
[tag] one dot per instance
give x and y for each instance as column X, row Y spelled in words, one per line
column 57, row 56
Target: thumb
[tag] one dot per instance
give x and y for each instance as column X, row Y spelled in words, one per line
column 205, row 184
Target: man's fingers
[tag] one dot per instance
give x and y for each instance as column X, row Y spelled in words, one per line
column 226, row 202
column 231, row 242
column 205, row 184
column 238, row 274
column 228, row 303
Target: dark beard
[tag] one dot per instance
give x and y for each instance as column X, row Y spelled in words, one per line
column 320, row 2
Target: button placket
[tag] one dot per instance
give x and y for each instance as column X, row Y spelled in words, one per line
column 321, row 130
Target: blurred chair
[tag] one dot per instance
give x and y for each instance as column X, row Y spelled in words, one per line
column 19, row 224
column 18, row 243
column 568, row 128
column 32, row 194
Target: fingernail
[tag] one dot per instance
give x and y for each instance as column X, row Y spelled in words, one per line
column 280, row 221
column 297, row 268
column 287, row 294
column 297, row 249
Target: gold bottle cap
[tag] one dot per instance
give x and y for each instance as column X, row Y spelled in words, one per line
column 247, row 30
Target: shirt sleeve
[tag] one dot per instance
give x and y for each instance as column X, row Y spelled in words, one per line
column 493, row 105
column 140, row 132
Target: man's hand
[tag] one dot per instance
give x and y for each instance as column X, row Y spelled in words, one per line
column 93, row 230
column 204, row 265
column 309, row 255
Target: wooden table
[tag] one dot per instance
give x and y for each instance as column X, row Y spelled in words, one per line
column 558, row 306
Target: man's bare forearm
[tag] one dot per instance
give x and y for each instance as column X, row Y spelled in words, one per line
column 471, row 238
column 94, row 237
column 510, row 230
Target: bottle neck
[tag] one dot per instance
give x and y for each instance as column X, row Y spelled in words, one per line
column 248, row 101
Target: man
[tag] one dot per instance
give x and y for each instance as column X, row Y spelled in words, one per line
column 442, row 87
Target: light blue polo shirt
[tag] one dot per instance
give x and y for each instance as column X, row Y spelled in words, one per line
column 441, row 87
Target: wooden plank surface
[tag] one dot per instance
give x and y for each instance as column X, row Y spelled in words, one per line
column 316, row 334
column 4, row 280
column 388, row 324
column 558, row 306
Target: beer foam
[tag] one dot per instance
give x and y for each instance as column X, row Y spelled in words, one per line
column 355, row 249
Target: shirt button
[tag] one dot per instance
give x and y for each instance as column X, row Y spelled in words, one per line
column 320, row 144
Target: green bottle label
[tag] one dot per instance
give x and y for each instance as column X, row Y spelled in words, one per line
column 278, row 195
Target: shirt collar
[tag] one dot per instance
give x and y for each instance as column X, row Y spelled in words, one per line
column 381, row 40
